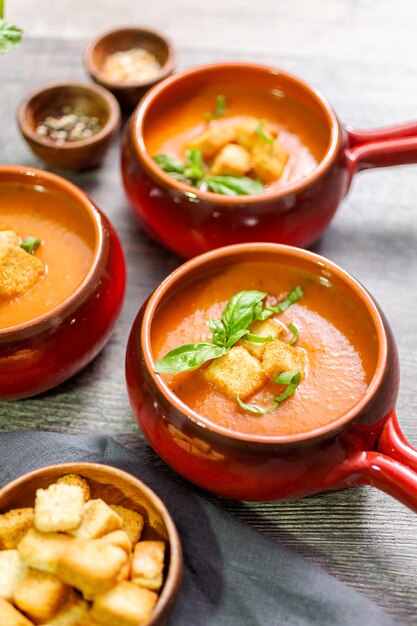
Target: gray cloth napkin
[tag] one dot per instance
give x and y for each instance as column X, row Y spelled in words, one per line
column 233, row 575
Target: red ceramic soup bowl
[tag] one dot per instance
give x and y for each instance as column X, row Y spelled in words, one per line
column 45, row 351
column 190, row 221
column 362, row 446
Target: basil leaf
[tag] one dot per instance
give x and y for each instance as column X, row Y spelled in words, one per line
column 254, row 408
column 10, row 36
column 232, row 339
column 261, row 133
column 169, row 163
column 30, row 244
column 234, row 185
column 258, row 338
column 218, row 331
column 294, row 331
column 293, row 296
column 291, row 379
column 188, row 357
column 219, row 110
column 195, row 169
column 194, row 157
column 239, row 311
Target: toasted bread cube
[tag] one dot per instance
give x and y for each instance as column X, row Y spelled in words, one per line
column 124, row 605
column 91, row 565
column 119, row 538
column 8, row 239
column 132, row 522
column 236, row 373
column 19, row 271
column 13, row 526
column 10, row 616
column 12, row 571
column 245, row 130
column 71, row 613
column 75, row 479
column 39, row 595
column 43, row 550
column 88, row 620
column 60, row 507
column 98, row 520
column 218, row 134
column 148, row 564
column 268, row 161
column 232, row 159
column 281, row 357
column 268, row 328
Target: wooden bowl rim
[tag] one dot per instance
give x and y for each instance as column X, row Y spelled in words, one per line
column 173, row 579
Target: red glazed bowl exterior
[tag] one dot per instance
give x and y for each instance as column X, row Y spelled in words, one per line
column 41, row 354
column 251, row 467
column 193, row 223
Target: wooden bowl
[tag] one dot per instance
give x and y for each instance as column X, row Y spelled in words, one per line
column 72, row 155
column 124, row 39
column 114, row 486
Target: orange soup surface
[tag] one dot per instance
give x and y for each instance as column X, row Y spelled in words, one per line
column 301, row 134
column 336, row 335
column 66, row 250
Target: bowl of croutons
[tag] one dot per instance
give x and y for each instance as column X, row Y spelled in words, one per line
column 85, row 544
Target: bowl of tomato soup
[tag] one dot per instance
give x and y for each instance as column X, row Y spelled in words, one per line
column 262, row 371
column 62, row 280
column 238, row 152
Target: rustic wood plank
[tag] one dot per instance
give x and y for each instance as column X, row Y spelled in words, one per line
column 361, row 54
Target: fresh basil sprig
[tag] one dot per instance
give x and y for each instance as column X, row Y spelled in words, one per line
column 30, row 244
column 10, row 36
column 291, row 379
column 169, row 163
column 234, row 185
column 264, row 313
column 219, row 110
column 237, row 316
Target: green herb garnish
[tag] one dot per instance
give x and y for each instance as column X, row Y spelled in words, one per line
column 261, row 133
column 294, row 331
column 234, row 185
column 30, row 244
column 237, row 316
column 290, row 379
column 10, row 36
column 293, row 296
column 219, row 110
column 169, row 164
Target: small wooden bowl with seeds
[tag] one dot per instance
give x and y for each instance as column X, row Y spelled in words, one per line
column 129, row 61
column 83, row 543
column 69, row 125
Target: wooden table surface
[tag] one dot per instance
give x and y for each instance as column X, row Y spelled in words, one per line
column 362, row 54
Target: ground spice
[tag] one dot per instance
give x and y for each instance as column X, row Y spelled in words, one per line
column 69, row 124
column 131, row 66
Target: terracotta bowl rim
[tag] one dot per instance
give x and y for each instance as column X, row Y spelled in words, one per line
column 97, row 74
column 91, row 92
column 174, row 574
column 168, row 182
column 235, row 250
column 64, row 308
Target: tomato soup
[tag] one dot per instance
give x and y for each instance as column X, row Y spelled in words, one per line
column 334, row 333
column 66, row 249
column 301, row 134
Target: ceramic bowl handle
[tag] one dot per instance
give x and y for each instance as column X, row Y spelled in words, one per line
column 381, row 147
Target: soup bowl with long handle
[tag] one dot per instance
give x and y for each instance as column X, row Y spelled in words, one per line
column 364, row 445
column 190, row 221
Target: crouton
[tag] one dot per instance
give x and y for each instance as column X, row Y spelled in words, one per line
column 124, row 605
column 148, row 564
column 218, row 134
column 281, row 357
column 12, row 571
column 268, row 328
column 87, row 620
column 231, row 159
column 132, row 522
column 245, row 131
column 71, row 612
column 8, row 239
column 43, row 550
column 98, row 520
column 13, row 526
column 39, row 595
column 236, row 373
column 119, row 538
column 59, row 507
column 75, row 479
column 10, row 616
column 91, row 565
column 268, row 161
column 19, row 271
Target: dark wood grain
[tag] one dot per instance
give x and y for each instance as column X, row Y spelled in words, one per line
column 362, row 55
